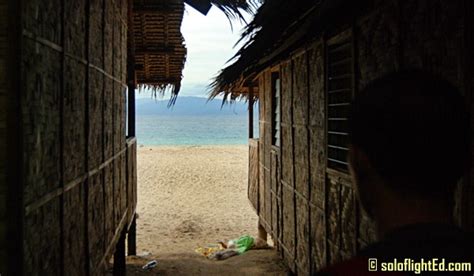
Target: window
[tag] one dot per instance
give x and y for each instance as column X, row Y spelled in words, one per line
column 256, row 119
column 276, row 109
column 339, row 95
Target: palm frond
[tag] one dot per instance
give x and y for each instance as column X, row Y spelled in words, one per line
column 235, row 9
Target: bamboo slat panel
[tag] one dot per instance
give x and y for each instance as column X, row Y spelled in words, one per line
column 301, row 160
column 95, row 119
column 96, row 32
column 261, row 151
column 117, row 192
column 318, row 239
column 43, row 19
column 253, row 173
column 109, row 44
column 286, row 124
column 122, row 169
column 275, row 191
column 117, row 54
column 317, row 135
column 42, row 246
column 318, row 203
column 74, row 28
column 109, row 110
column 333, row 210
column 261, row 191
column 303, row 244
column 268, row 133
column 109, row 203
column 74, row 101
column 41, row 120
column 300, row 89
column 96, row 219
column 74, row 231
column 160, row 54
column 288, row 231
column 348, row 223
column 131, row 176
column 76, row 177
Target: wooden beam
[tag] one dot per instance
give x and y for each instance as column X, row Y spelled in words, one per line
column 160, row 80
column 131, row 76
column 120, row 265
column 251, row 113
column 132, row 237
column 156, row 50
column 131, row 111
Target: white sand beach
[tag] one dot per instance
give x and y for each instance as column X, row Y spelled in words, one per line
column 190, row 196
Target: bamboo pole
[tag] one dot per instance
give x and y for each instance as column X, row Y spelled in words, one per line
column 132, row 237
column 251, row 134
column 119, row 256
column 131, row 76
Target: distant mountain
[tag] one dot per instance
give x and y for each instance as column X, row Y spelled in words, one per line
column 189, row 106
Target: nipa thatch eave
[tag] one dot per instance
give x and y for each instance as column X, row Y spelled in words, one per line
column 278, row 28
column 160, row 53
column 159, row 48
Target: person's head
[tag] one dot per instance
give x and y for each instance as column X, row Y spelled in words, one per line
column 409, row 133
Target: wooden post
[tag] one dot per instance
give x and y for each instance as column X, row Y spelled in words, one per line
column 262, row 233
column 119, row 256
column 131, row 110
column 131, row 77
column 251, row 112
column 132, row 237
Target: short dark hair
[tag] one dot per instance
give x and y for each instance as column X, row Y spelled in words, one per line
column 414, row 128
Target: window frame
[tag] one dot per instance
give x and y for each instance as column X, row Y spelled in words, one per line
column 275, row 86
column 343, row 40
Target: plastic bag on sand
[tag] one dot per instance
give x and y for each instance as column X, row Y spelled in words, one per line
column 224, row 251
column 207, row 251
column 242, row 244
column 224, row 254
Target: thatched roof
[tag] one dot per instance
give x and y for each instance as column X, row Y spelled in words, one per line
column 159, row 48
column 160, row 53
column 278, row 28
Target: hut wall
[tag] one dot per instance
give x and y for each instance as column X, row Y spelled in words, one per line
column 79, row 171
column 318, row 220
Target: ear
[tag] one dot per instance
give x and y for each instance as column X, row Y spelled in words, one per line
column 358, row 160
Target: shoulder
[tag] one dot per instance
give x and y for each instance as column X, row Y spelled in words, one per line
column 357, row 266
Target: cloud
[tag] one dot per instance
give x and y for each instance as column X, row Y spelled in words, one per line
column 210, row 41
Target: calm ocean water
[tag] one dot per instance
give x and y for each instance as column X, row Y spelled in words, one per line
column 160, row 130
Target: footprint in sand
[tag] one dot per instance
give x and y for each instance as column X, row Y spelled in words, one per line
column 188, row 227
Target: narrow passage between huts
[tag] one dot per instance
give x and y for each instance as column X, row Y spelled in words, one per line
column 191, row 197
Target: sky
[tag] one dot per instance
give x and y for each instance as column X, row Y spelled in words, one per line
column 210, row 44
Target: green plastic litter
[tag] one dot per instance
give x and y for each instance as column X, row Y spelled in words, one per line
column 244, row 243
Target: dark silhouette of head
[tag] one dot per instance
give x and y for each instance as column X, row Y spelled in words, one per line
column 409, row 133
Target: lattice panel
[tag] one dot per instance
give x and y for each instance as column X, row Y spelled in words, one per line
column 339, row 94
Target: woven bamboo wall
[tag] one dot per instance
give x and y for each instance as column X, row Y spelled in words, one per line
column 309, row 209
column 253, row 173
column 3, row 133
column 78, row 169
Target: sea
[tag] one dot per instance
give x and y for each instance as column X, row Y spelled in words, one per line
column 166, row 130
column 192, row 121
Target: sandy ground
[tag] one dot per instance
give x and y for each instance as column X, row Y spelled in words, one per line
column 192, row 196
